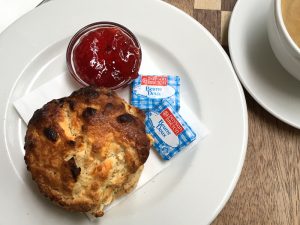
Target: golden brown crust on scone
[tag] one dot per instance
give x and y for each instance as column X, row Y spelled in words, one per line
column 85, row 150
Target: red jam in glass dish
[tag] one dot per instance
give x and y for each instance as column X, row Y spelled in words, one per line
column 104, row 54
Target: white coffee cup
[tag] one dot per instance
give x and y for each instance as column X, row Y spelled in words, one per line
column 285, row 49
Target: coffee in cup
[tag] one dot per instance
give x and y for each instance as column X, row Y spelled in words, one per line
column 284, row 34
column 291, row 17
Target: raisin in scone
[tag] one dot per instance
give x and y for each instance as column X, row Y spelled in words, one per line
column 85, row 150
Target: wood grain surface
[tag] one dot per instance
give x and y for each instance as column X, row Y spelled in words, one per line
column 268, row 191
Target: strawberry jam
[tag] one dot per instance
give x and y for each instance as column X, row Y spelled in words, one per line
column 104, row 54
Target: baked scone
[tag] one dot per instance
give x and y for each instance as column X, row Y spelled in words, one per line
column 85, row 150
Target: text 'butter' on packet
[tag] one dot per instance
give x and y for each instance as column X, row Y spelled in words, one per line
column 149, row 90
column 170, row 131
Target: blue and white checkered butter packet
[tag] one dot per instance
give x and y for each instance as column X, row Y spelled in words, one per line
column 170, row 131
column 149, row 90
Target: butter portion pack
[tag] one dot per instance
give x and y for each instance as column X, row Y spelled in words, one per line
column 150, row 90
column 170, row 131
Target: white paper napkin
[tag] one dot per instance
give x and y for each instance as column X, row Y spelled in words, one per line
column 63, row 85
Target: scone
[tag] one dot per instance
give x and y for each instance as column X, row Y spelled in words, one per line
column 85, row 150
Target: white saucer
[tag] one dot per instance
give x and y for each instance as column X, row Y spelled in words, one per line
column 258, row 69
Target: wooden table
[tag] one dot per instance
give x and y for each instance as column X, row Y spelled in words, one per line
column 268, row 191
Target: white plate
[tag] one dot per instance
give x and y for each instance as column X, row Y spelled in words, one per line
column 198, row 183
column 11, row 10
column 258, row 69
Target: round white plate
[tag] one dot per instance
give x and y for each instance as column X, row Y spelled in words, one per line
column 256, row 65
column 198, row 183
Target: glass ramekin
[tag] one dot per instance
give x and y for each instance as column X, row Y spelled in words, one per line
column 76, row 38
